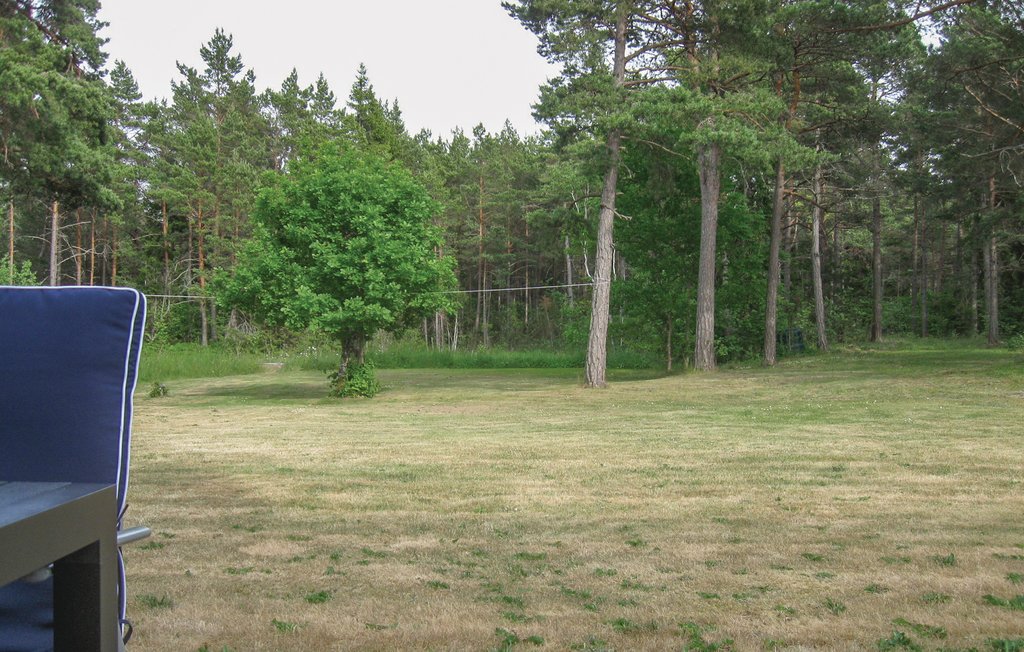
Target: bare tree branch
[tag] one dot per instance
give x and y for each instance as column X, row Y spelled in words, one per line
column 916, row 16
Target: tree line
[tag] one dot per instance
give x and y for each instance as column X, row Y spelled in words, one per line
column 716, row 179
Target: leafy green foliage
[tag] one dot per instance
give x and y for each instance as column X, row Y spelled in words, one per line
column 359, row 381
column 12, row 274
column 342, row 244
column 54, row 108
column 662, row 239
column 160, row 195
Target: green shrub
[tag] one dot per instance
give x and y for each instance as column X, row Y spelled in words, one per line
column 1016, row 343
column 359, row 381
column 12, row 274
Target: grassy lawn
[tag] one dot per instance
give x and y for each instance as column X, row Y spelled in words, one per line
column 870, row 500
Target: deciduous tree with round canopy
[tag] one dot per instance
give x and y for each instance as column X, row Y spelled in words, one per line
column 343, row 243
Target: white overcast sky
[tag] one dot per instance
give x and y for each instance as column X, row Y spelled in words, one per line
column 450, row 63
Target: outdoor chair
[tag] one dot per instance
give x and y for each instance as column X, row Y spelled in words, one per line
column 69, row 361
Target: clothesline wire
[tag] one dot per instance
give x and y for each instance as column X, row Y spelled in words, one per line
column 486, row 290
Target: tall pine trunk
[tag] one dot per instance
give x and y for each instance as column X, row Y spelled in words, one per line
column 972, row 288
column 10, row 242
column 817, row 215
column 55, row 244
column 991, row 261
column 915, row 258
column 92, row 249
column 597, row 342
column 991, row 290
column 78, row 247
column 708, row 159
column 876, row 267
column 774, row 268
column 113, row 254
column 669, row 329
column 568, row 273
column 923, row 282
column 204, row 319
column 164, row 225
column 480, row 264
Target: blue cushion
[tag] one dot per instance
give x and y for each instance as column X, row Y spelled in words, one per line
column 26, row 617
column 67, row 374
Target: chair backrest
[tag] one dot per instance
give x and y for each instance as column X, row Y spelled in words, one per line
column 68, row 366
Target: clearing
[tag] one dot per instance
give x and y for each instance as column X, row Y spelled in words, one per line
column 867, row 500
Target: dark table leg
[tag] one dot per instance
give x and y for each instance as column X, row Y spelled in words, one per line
column 85, row 599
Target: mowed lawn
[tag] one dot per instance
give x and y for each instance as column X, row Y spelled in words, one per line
column 870, row 500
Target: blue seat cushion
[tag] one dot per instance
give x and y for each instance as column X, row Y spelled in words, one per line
column 26, row 616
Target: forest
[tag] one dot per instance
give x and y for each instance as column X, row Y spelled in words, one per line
column 715, row 180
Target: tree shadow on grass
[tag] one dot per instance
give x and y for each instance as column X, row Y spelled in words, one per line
column 276, row 391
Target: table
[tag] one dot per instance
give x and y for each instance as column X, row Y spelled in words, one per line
column 73, row 526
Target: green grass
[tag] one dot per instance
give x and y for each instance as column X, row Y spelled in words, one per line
column 188, row 361
column 160, row 364
column 318, row 597
column 154, row 602
column 867, row 499
column 407, row 355
column 1016, row 603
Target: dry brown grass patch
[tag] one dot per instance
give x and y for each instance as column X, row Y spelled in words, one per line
column 463, row 504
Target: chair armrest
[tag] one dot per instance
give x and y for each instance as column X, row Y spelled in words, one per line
column 132, row 534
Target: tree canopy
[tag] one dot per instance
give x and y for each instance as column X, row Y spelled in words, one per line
column 711, row 177
column 342, row 242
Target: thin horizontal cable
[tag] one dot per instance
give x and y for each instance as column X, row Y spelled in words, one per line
column 488, row 290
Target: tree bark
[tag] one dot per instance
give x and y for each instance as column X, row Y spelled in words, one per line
column 526, row 278
column 352, row 350
column 992, row 306
column 876, row 267
column 915, row 258
column 167, row 247
column 597, row 342
column 669, row 327
column 78, row 246
column 973, row 292
column 480, row 264
column 113, row 255
column 992, row 271
column 92, row 249
column 55, row 244
column 568, row 273
column 922, row 294
column 708, row 158
column 940, row 263
column 836, row 277
column 774, row 267
column 817, row 214
column 10, row 242
column 203, row 314
column 991, row 290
